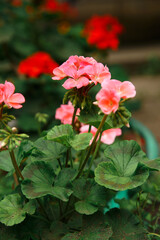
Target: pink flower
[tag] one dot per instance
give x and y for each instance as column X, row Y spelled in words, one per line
column 108, row 100
column 12, row 99
column 65, row 113
column 98, row 73
column 1, row 93
column 74, row 68
column 109, row 135
column 124, row 89
column 81, row 71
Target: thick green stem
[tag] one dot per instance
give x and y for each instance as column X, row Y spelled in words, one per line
column 1, row 112
column 15, row 165
column 74, row 115
column 92, row 145
column 154, row 234
column 94, row 154
column 67, row 157
column 59, row 163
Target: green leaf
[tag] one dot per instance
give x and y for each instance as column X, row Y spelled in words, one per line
column 85, row 207
column 125, row 155
column 91, row 195
column 5, row 161
column 93, row 228
column 81, row 141
column 106, row 175
column 125, row 225
column 152, row 164
column 65, row 177
column 61, row 134
column 123, row 169
column 39, row 181
column 12, row 211
column 47, row 151
column 51, row 150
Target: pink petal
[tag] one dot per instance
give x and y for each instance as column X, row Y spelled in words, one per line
column 108, row 100
column 17, row 98
column 108, row 136
column 69, row 83
column 127, row 90
column 9, row 89
column 112, row 84
column 70, row 70
column 59, row 74
column 82, row 82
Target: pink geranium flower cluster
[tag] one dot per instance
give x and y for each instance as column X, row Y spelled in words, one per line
column 8, row 97
column 112, row 92
column 80, row 72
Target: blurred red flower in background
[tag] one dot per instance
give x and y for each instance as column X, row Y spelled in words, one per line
column 16, row 3
column 55, row 6
column 37, row 64
column 103, row 31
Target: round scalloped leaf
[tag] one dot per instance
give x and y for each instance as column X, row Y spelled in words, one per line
column 91, row 195
column 153, row 164
column 12, row 211
column 62, row 134
column 125, row 225
column 108, row 176
column 51, row 150
column 125, row 156
column 93, row 228
column 85, row 207
column 39, row 178
column 81, row 141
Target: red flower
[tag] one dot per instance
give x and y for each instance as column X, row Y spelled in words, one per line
column 55, row 6
column 103, row 31
column 16, row 3
column 37, row 64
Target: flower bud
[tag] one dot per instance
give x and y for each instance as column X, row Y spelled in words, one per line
column 14, row 130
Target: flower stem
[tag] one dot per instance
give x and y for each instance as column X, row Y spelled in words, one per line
column 154, row 234
column 67, row 157
column 73, row 117
column 59, row 163
column 1, row 111
column 94, row 154
column 18, row 171
column 92, row 145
